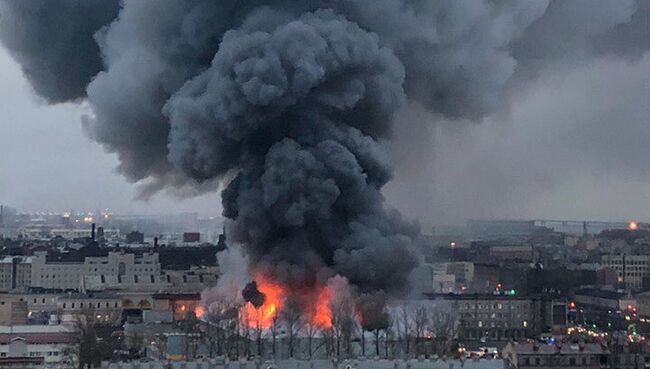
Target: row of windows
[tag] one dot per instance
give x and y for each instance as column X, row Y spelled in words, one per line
column 627, row 262
column 42, row 300
column 491, row 316
column 632, row 274
column 90, row 305
column 40, row 354
column 498, row 306
column 556, row 360
column 130, row 270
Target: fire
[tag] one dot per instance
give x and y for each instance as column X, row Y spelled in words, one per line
column 633, row 226
column 199, row 311
column 321, row 316
column 274, row 294
column 315, row 304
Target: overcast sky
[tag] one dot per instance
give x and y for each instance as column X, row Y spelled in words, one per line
column 575, row 144
column 46, row 162
column 554, row 154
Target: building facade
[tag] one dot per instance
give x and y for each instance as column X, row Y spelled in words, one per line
column 630, row 269
column 490, row 317
column 15, row 273
column 96, row 307
column 36, row 343
column 72, row 275
column 542, row 356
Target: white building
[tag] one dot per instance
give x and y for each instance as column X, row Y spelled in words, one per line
column 48, row 342
column 74, row 275
column 96, row 307
column 451, row 277
column 55, row 275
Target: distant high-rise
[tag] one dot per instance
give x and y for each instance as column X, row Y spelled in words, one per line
column 7, row 216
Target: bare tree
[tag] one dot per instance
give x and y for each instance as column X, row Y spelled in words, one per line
column 444, row 326
column 407, row 328
column 343, row 324
column 222, row 327
column 420, row 322
column 89, row 347
column 294, row 321
column 190, row 327
column 311, row 330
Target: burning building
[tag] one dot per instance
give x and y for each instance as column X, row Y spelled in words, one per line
column 283, row 104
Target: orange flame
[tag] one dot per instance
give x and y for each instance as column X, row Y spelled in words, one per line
column 321, row 316
column 633, row 226
column 199, row 311
column 316, row 305
column 263, row 316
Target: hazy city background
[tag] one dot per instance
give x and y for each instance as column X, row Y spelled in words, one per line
column 573, row 146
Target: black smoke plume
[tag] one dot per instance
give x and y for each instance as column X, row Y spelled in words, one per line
column 54, row 42
column 251, row 294
column 284, row 102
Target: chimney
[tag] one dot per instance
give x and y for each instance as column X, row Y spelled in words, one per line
column 92, row 232
column 155, row 242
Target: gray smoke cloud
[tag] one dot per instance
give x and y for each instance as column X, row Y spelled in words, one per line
column 287, row 104
column 568, row 140
column 54, row 42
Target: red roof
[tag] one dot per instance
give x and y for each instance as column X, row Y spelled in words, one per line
column 37, row 338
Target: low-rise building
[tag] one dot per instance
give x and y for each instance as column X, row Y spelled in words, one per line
column 503, row 317
column 457, row 274
column 32, row 344
column 178, row 304
column 13, row 310
column 556, row 356
column 512, row 253
column 74, row 275
column 604, row 299
column 95, row 306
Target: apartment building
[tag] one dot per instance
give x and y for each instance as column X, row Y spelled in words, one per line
column 72, row 275
column 15, row 273
column 630, row 269
column 502, row 317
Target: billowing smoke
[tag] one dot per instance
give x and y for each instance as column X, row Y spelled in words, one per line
column 285, row 103
column 54, row 42
column 251, row 294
